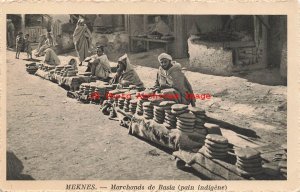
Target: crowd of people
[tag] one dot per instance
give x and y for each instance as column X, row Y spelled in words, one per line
column 169, row 73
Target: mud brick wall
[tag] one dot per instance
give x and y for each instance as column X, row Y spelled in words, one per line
column 210, row 58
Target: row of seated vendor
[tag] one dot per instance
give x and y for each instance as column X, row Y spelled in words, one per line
column 168, row 123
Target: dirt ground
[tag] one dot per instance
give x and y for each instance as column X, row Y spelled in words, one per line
column 54, row 137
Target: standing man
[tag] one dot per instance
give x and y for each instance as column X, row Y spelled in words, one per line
column 10, row 33
column 82, row 39
column 170, row 76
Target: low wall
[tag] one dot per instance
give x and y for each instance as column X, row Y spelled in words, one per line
column 209, row 57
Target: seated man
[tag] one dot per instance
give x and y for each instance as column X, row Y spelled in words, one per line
column 50, row 57
column 49, row 43
column 126, row 75
column 98, row 65
column 170, row 76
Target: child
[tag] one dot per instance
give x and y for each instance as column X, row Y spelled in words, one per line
column 19, row 44
column 27, row 45
column 73, row 63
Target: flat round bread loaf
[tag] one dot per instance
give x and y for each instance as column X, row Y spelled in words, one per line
column 196, row 110
column 217, row 138
column 178, row 112
column 248, row 174
column 167, row 103
column 215, row 149
column 207, row 154
column 187, row 116
column 187, row 122
column 147, row 104
column 179, row 107
column 216, row 145
column 249, row 161
column 283, row 170
column 211, row 126
column 282, row 164
column 247, row 153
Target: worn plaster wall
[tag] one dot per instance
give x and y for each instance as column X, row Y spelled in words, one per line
column 210, row 58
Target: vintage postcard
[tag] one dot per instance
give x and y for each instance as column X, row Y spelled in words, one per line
column 149, row 96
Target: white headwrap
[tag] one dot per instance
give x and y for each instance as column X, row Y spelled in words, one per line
column 128, row 65
column 164, row 56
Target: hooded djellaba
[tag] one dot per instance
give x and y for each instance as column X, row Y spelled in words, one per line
column 82, row 39
column 126, row 75
column 170, row 76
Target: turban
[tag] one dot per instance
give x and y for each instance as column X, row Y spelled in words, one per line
column 123, row 57
column 164, row 56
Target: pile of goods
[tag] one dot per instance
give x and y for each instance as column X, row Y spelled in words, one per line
column 113, row 96
column 282, row 165
column 133, row 106
column 249, row 162
column 216, row 146
column 186, row 122
column 143, row 97
column 179, row 109
column 121, row 102
column 93, row 92
column 170, row 120
column 68, row 71
column 46, row 67
column 126, row 104
column 201, row 118
column 160, row 113
column 148, row 110
column 58, row 69
column 129, row 95
column 31, row 68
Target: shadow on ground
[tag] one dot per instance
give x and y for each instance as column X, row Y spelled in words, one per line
column 14, row 168
column 234, row 128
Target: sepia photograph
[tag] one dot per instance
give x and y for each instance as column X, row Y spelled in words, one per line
column 146, row 97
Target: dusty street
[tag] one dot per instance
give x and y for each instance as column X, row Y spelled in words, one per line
column 59, row 138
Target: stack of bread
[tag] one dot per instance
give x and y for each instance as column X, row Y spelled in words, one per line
column 31, row 68
column 159, row 114
column 216, row 146
column 121, row 102
column 170, row 120
column 249, row 162
column 199, row 127
column 186, row 122
column 127, row 101
column 133, row 106
column 58, row 69
column 178, row 109
column 155, row 100
column 143, row 97
column 282, row 165
column 148, row 110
